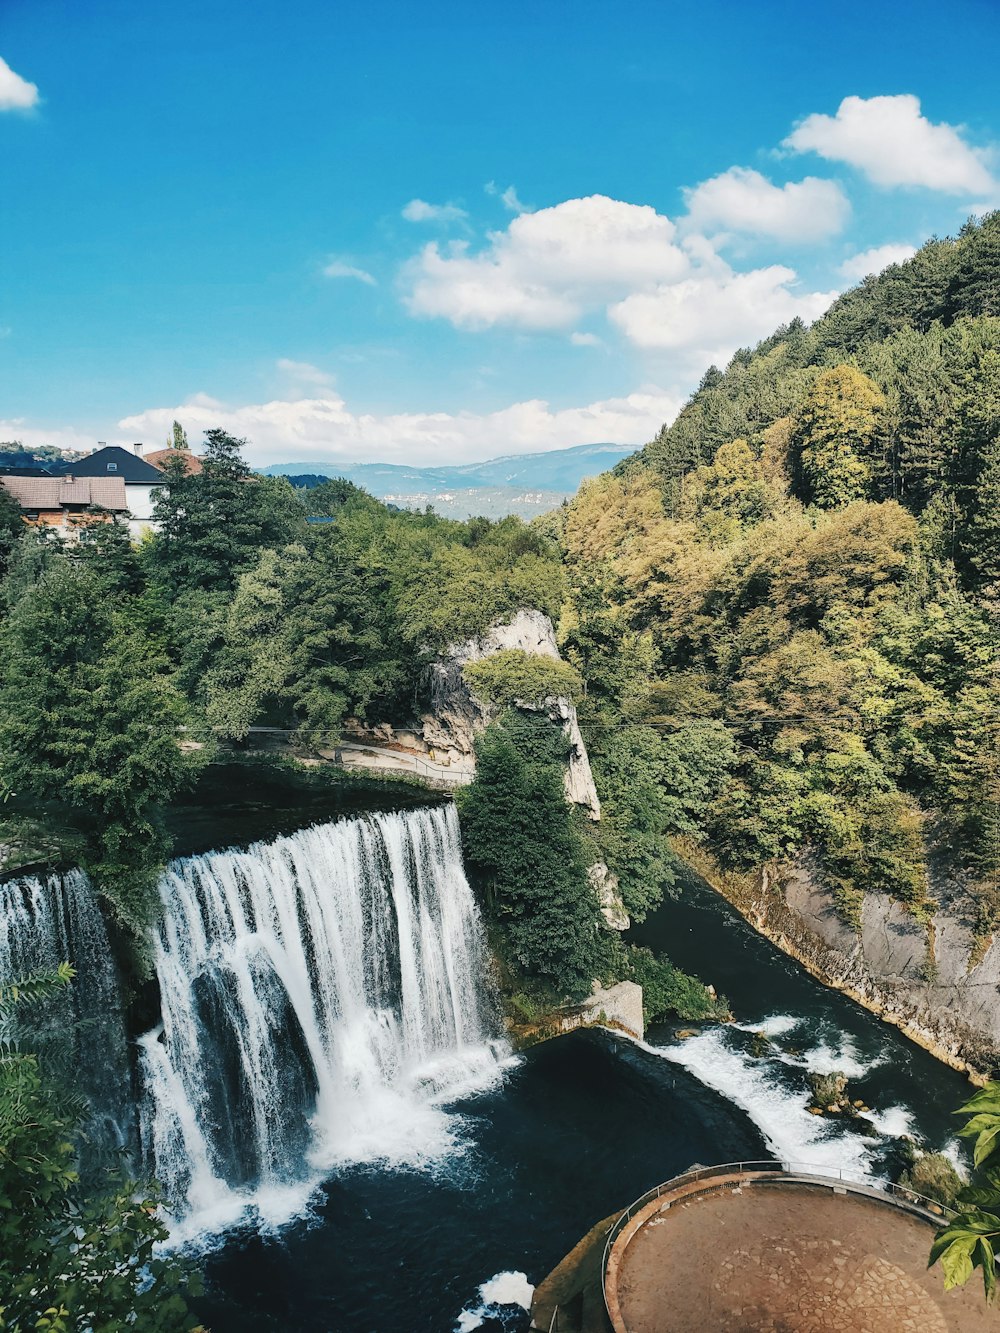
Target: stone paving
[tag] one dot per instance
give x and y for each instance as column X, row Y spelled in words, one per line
column 790, row 1259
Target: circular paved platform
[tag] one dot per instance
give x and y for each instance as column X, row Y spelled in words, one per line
column 782, row 1256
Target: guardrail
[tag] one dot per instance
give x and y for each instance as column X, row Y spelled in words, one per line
column 803, row 1170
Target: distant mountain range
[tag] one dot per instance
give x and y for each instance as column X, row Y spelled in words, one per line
column 524, row 484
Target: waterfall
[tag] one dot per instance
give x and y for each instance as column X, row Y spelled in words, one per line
column 44, row 922
column 323, row 1000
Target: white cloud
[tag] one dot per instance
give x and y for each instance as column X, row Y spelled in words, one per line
column 507, row 197
column 302, row 372
column 585, row 340
column 547, row 267
column 324, row 428
column 16, row 94
column 62, row 437
column 745, row 201
column 418, row 210
column 875, row 260
column 706, row 317
column 894, row 144
column 338, row 268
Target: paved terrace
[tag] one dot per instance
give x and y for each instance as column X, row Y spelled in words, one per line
column 782, row 1254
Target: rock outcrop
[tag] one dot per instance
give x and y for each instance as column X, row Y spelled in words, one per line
column 605, row 885
column 456, row 717
column 935, row 982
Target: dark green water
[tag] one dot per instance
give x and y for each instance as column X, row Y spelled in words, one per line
column 576, row 1129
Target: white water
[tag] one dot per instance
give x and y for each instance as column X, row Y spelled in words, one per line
column 777, row 1101
column 47, row 922
column 323, row 1000
column 500, row 1293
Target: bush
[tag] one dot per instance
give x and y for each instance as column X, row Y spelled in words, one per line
column 514, row 678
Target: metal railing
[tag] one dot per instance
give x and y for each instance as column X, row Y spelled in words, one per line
column 811, row 1172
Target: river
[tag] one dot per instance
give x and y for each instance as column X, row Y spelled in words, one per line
column 345, row 1141
column 576, row 1128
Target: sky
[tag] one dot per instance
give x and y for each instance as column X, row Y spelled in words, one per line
column 439, row 232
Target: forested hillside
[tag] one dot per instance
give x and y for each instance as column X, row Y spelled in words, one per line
column 796, row 588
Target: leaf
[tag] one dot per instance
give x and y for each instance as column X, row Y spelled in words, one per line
column 986, row 1099
column 956, row 1261
column 986, row 1145
column 975, row 1194
column 985, row 1256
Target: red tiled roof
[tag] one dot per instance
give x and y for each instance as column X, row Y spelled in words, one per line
column 192, row 463
column 61, row 492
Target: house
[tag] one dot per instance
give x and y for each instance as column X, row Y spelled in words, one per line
column 159, row 457
column 62, row 502
column 139, row 478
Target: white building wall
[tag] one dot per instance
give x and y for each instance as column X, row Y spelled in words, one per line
column 140, row 498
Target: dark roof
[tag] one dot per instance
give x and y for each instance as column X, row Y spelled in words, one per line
column 123, row 463
column 59, row 492
column 25, row 472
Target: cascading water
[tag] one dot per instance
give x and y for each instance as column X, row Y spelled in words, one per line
column 55, row 920
column 323, row 998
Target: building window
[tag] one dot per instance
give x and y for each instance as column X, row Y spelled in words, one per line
column 112, row 467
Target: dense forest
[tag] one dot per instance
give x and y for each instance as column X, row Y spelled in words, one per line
column 800, row 580
column 780, row 626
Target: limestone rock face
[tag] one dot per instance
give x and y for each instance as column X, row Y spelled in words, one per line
column 605, row 885
column 456, row 717
column 938, row 984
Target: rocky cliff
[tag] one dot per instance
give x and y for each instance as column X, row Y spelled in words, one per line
column 439, row 748
column 937, row 983
column 457, row 717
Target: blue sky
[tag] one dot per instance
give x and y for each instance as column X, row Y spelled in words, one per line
column 439, row 232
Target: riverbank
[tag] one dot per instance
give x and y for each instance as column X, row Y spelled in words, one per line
column 925, row 981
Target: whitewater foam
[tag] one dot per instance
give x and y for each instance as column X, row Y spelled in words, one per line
column 323, row 1002
column 500, row 1292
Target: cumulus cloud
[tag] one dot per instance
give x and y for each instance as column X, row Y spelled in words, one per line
column 548, row 266
column 16, row 94
column 339, row 268
column 585, row 340
column 325, row 428
column 875, row 260
column 707, row 316
column 893, row 143
column 743, row 200
column 418, row 210
column 302, row 372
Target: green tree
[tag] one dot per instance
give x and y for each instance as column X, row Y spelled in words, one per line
column 89, row 719
column 520, row 841
column 214, row 523
column 11, row 528
column 835, row 434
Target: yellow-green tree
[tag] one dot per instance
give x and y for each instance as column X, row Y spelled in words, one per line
column 835, row 434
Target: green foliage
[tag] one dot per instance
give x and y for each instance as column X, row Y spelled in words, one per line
column 512, row 677
column 933, row 1175
column 666, row 990
column 89, row 717
column 522, row 845
column 653, row 785
column 12, row 528
column 969, row 1239
column 835, row 431
column 71, row 1261
column 813, row 543
column 213, row 523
